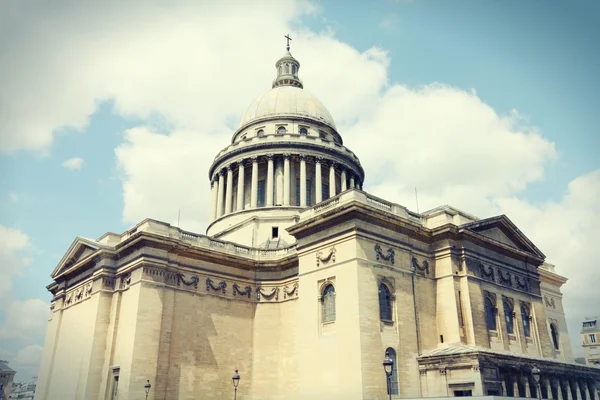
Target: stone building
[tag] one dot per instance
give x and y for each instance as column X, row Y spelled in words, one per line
column 303, row 283
column 7, row 375
column 590, row 335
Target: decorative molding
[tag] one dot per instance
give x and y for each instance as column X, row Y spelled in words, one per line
column 108, row 282
column 443, row 371
column 290, row 292
column 125, row 281
column 487, row 274
column 417, row 267
column 504, row 279
column 274, row 294
column 236, row 290
column 221, row 286
column 193, row 281
column 325, row 259
column 475, row 367
column 78, row 294
column 549, row 302
column 522, row 284
column 388, row 256
column 423, row 371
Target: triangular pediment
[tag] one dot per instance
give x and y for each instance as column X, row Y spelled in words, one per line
column 79, row 250
column 502, row 230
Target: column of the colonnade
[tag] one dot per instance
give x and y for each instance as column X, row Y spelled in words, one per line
column 286, row 179
column 254, row 185
column 229, row 190
column 240, row 190
column 269, row 187
column 558, row 386
column 352, row 182
column 213, row 199
column 332, row 179
column 343, row 180
column 525, row 382
column 302, row 181
column 220, row 194
column 318, row 183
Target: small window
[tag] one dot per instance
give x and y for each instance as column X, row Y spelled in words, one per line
column 287, row 68
column 592, row 338
column 275, row 232
column 554, row 334
column 303, row 131
column 508, row 317
column 261, row 194
column 281, row 130
column 323, row 135
column 329, row 304
column 525, row 318
column 293, row 70
column 464, row 393
column 260, row 133
column 325, row 191
column 385, row 302
column 490, row 314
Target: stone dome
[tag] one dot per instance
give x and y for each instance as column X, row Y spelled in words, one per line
column 287, row 101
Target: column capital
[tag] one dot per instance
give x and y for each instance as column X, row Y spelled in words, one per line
column 318, row 160
column 254, row 159
column 332, row 164
column 286, row 156
column 221, row 172
column 270, row 156
column 230, row 167
column 302, row 157
column 241, row 162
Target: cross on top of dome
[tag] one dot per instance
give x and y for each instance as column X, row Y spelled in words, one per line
column 287, row 69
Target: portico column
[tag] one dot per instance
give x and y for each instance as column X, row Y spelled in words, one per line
column 351, row 181
column 286, row 179
column 526, row 383
column 343, row 180
column 213, row 199
column 269, row 186
column 240, row 191
column 558, row 386
column 229, row 190
column 220, row 194
column 332, row 179
column 568, row 387
column 302, row 181
column 515, row 386
column 318, row 184
column 254, row 186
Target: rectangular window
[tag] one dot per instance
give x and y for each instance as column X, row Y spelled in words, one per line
column 463, row 393
column 261, row 193
column 325, row 191
column 274, row 232
column 308, row 193
column 592, row 338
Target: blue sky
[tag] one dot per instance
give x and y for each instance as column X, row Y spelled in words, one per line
column 111, row 86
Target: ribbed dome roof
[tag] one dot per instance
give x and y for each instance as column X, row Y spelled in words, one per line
column 284, row 101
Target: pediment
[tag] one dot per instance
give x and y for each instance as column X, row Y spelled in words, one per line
column 79, row 250
column 502, row 230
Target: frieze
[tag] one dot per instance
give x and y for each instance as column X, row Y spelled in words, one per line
column 221, row 286
column 549, row 302
column 504, row 279
column 78, row 294
column 290, row 292
column 274, row 294
column 125, row 281
column 387, row 256
column 422, row 268
column 193, row 281
column 246, row 292
column 330, row 256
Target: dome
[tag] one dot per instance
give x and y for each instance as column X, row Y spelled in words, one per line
column 287, row 101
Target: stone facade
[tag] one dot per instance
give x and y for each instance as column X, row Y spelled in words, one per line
column 590, row 336
column 304, row 288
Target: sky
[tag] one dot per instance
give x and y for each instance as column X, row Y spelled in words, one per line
column 111, row 112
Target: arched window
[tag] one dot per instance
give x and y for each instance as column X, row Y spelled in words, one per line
column 281, row 130
column 303, row 131
column 385, row 302
column 393, row 382
column 490, row 314
column 508, row 317
column 554, row 334
column 260, row 133
column 329, row 304
column 525, row 318
column 287, row 68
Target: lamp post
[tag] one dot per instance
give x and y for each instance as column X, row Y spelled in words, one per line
column 236, row 380
column 147, row 387
column 388, row 366
column 535, row 371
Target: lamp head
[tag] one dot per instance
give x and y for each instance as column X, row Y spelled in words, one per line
column 147, row 386
column 388, row 363
column 535, row 371
column 235, row 379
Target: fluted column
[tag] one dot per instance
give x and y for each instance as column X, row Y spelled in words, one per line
column 302, row 181
column 351, row 181
column 332, row 179
column 229, row 190
column 286, row 179
column 343, row 186
column 269, row 187
column 240, row 191
column 568, row 387
column 526, row 384
column 254, row 186
column 213, row 199
column 220, row 194
column 558, row 386
column 318, row 183
column 515, row 386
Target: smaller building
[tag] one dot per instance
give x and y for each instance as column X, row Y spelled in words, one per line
column 590, row 332
column 6, row 379
column 25, row 390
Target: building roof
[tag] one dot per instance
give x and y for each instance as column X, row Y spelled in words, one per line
column 590, row 324
column 4, row 368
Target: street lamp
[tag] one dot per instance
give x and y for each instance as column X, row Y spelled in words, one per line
column 236, row 380
column 535, row 371
column 388, row 366
column 147, row 387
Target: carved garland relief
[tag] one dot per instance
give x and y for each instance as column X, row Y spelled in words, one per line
column 78, row 294
column 504, row 278
column 387, row 256
column 330, row 256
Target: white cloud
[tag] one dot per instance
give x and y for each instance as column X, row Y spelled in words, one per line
column 13, row 243
column 73, row 163
column 24, row 321
column 13, row 197
column 27, row 362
